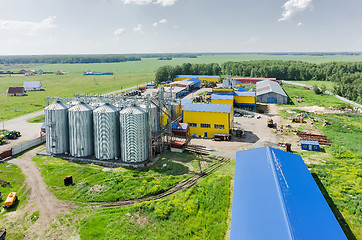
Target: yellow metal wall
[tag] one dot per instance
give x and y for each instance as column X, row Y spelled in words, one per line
column 222, row 101
column 208, row 118
column 179, row 79
column 244, row 99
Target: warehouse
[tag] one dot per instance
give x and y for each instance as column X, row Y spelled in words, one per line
column 223, row 91
column 206, row 120
column 270, row 92
column 222, row 99
column 245, row 100
column 207, row 78
column 276, row 197
column 32, row 85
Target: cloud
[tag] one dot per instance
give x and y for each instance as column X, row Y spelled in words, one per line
column 251, row 40
column 27, row 27
column 118, row 32
column 162, row 21
column 146, row 2
column 291, row 7
column 138, row 29
column 300, row 24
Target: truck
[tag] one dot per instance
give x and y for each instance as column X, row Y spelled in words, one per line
column 10, row 200
column 13, row 134
column 270, row 123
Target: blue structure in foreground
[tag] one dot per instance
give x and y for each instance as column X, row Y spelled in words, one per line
column 309, row 145
column 276, row 197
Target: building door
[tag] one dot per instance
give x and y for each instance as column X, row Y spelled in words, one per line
column 271, row 100
column 205, row 134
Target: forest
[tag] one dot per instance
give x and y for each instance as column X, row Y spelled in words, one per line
column 347, row 76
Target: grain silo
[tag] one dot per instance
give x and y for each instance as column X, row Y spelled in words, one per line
column 154, row 117
column 106, row 132
column 134, row 135
column 56, row 123
column 81, row 130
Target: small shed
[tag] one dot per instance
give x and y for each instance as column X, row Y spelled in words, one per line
column 16, row 91
column 32, row 85
column 309, row 145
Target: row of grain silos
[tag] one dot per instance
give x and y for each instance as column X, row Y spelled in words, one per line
column 104, row 130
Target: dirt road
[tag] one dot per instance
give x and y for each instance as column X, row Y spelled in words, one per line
column 42, row 199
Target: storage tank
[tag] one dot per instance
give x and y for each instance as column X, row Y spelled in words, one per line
column 134, row 134
column 81, row 142
column 154, row 117
column 56, row 125
column 106, row 132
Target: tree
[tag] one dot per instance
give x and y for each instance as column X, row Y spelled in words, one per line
column 162, row 74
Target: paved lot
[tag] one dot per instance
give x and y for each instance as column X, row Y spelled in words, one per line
column 28, row 131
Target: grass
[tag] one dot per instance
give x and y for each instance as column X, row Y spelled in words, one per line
column 197, row 213
column 38, row 119
column 94, row 183
column 61, row 86
column 312, row 99
column 329, row 85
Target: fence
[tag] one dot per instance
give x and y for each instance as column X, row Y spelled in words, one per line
column 25, row 146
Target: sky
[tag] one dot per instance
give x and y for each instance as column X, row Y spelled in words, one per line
column 40, row 27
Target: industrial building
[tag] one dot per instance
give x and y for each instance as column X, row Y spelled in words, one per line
column 190, row 84
column 275, row 197
column 110, row 127
column 32, row 85
column 222, row 99
column 223, row 91
column 252, row 80
column 270, row 92
column 206, row 120
column 245, row 100
column 207, row 78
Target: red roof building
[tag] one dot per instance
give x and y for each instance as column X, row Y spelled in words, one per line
column 253, row 80
column 16, row 91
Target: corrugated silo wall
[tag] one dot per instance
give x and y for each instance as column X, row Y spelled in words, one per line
column 81, row 141
column 106, row 132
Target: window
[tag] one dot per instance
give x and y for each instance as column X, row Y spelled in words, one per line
column 218, row 126
column 204, row 125
column 193, row 124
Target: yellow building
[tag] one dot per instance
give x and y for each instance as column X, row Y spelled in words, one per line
column 223, row 91
column 222, row 99
column 245, row 100
column 205, row 120
column 207, row 78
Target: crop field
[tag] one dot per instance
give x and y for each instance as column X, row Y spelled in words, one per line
column 312, row 99
column 61, row 86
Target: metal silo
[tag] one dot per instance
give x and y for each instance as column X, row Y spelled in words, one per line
column 106, row 132
column 134, row 137
column 81, row 130
column 154, row 117
column 56, row 124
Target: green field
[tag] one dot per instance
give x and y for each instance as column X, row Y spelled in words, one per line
column 312, row 99
column 329, row 85
column 95, row 183
column 61, row 86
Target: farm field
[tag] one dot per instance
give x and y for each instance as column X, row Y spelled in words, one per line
column 329, row 85
column 61, row 86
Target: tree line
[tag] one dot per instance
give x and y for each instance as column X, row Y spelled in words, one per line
column 346, row 75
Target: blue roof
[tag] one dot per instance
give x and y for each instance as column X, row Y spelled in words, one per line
column 309, row 142
column 194, row 80
column 276, row 197
column 151, row 84
column 177, row 125
column 196, row 76
column 245, row 94
column 241, row 89
column 186, row 101
column 204, row 107
column 221, row 96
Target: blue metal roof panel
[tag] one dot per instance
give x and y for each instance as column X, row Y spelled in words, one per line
column 245, row 94
column 204, row 107
column 186, row 101
column 196, row 76
column 276, row 197
column 221, row 96
column 309, row 142
column 194, row 80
